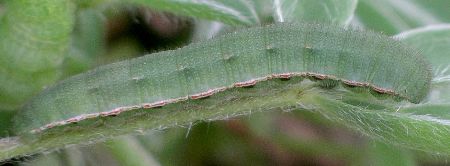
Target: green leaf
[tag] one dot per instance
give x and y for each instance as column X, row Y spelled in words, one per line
column 429, row 133
column 394, row 16
column 129, row 151
column 208, row 29
column 34, row 38
column 381, row 154
column 330, row 11
column 87, row 42
column 437, row 8
column 50, row 159
column 6, row 122
column 233, row 12
column 264, row 8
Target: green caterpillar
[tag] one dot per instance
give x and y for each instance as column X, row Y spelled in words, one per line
column 239, row 59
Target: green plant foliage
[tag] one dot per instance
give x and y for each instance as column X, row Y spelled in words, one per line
column 87, row 42
column 329, row 11
column 392, row 17
column 34, row 38
column 380, row 154
column 430, row 133
column 234, row 12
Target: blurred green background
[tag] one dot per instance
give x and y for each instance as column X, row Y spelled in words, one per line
column 276, row 138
